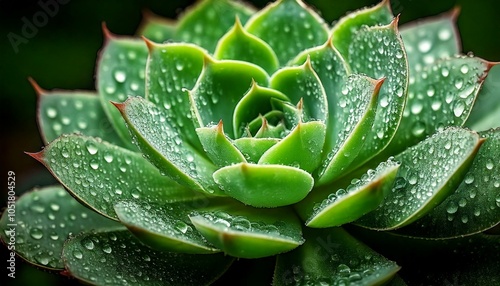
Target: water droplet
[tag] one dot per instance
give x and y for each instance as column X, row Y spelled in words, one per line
column 106, row 249
column 459, row 83
column 436, row 105
column 464, row 218
column 120, row 76
column 51, row 112
column 179, row 66
column 416, row 107
column 78, row 254
column 54, row 207
column 445, row 71
column 418, row 128
column 64, row 152
column 462, row 202
column 464, row 69
column 54, row 236
column 36, row 233
column 444, row 34
column 91, row 148
column 181, row 226
column 469, row 179
column 94, row 164
column 459, row 108
column 343, row 269
column 489, row 164
column 424, row 46
column 88, row 243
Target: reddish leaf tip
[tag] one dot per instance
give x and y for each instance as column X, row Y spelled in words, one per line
column 37, row 156
column 119, row 105
column 455, row 12
column 39, row 91
column 150, row 44
column 394, row 23
column 106, row 32
column 220, row 127
column 378, row 83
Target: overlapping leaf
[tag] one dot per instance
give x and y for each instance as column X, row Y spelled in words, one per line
column 63, row 112
column 117, row 258
column 418, row 188
column 332, row 257
column 85, row 166
column 120, row 74
column 37, row 226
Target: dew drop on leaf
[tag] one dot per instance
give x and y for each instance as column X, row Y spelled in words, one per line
column 424, row 46
column 78, row 254
column 51, row 112
column 36, row 233
column 120, row 76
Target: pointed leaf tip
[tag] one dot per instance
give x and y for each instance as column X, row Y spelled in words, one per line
column 119, row 105
column 106, row 32
column 378, row 84
column 37, row 156
column 150, row 44
column 39, row 91
column 394, row 23
column 455, row 12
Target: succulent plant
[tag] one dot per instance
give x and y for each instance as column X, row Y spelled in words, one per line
column 276, row 142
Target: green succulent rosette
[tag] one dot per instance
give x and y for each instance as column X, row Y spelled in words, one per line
column 240, row 134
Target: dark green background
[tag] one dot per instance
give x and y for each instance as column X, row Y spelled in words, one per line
column 62, row 54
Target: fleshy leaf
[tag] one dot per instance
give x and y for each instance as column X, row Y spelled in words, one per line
column 220, row 87
column 429, row 172
column 156, row 28
column 249, row 233
column 129, row 262
column 264, row 185
column 289, row 27
column 475, row 205
column 379, row 52
column 39, row 222
column 292, row 115
column 257, row 101
column 332, row 70
column 253, row 148
column 207, row 22
column 120, row 74
column 82, row 165
column 301, row 148
column 255, row 125
column 218, row 147
column 431, row 39
column 356, row 197
column 270, row 131
column 346, row 28
column 240, row 45
column 163, row 147
column 442, row 94
column 302, row 83
column 486, row 111
column 332, row 257
column 354, row 116
column 165, row 227
column 64, row 112
column 171, row 68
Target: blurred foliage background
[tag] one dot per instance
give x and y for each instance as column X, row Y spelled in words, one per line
column 62, row 50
